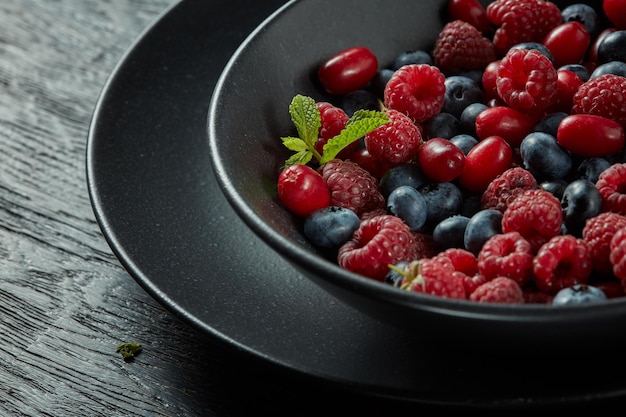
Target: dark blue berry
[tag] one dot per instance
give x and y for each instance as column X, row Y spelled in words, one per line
column 581, row 200
column 584, row 14
column 476, row 75
column 360, row 100
column 579, row 294
column 403, row 174
column 460, row 92
column 464, row 142
column 554, row 187
column 468, row 118
column 412, row 57
column 378, row 83
column 612, row 47
column 393, row 277
column 611, row 67
column 331, row 227
column 481, row 226
column 408, row 204
column 443, row 200
column 537, row 47
column 443, row 125
column 544, row 157
column 550, row 123
column 591, row 168
column 450, row 232
column 580, row 70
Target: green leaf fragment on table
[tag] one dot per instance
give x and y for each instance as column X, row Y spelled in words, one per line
column 128, row 350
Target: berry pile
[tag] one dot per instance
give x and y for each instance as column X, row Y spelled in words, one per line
column 490, row 167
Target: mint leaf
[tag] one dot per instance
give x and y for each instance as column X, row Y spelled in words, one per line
column 361, row 123
column 294, row 144
column 307, row 120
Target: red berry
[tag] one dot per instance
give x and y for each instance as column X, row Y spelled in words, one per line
column 424, row 245
column 598, row 232
column 507, row 255
column 562, row 262
column 568, row 43
column 612, row 185
column 302, row 189
column 603, row 96
column 470, row 11
column 536, row 215
column 506, row 187
column 377, row 243
column 615, row 11
column 617, row 254
column 366, row 161
column 489, row 78
column 484, row 162
column 348, row 70
column 441, row 160
column 416, row 90
column 500, row 290
column 527, row 80
column 588, row 135
column 567, row 84
column 460, row 46
column 333, row 120
column 395, row 142
column 430, row 276
column 510, row 124
column 351, row 186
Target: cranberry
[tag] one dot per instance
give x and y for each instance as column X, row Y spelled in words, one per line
column 348, row 70
column 589, row 135
column 490, row 75
column 484, row 162
column 567, row 84
column 568, row 43
column 366, row 161
column 615, row 10
column 441, row 160
column 470, row 11
column 510, row 124
column 302, row 190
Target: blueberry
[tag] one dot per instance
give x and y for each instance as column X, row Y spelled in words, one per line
column 581, row 200
column 591, row 168
column 331, row 227
column 579, row 294
column 460, row 92
column 612, row 47
column 471, row 205
column 464, row 142
column 468, row 117
column 580, row 70
column 394, row 277
column 535, row 46
column 412, row 57
column 443, row 200
column 481, row 226
column 378, row 83
column 584, row 14
column 360, row 100
column 554, row 187
column 443, row 125
column 403, row 174
column 611, row 67
column 550, row 123
column 543, row 156
column 450, row 232
column 408, row 204
column 476, row 75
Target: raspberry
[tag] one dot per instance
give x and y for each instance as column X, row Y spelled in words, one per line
column 527, row 81
column 351, row 186
column 500, row 290
column 617, row 254
column 396, row 142
column 519, row 21
column 506, row 255
column 333, row 120
column 433, row 277
column 598, row 233
column 424, row 245
column 504, row 188
column 465, row 266
column 602, row 96
column 536, row 215
column 460, row 46
column 534, row 296
column 377, row 243
column 562, row 262
column 416, row 90
column 611, row 184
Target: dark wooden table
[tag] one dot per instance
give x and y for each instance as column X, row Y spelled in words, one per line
column 66, row 302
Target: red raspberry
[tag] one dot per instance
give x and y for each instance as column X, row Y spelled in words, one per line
column 460, row 46
column 598, row 232
column 333, row 120
column 416, row 90
column 424, row 245
column 465, row 266
column 536, row 215
column 617, row 254
column 527, row 81
column 377, row 243
column 351, row 186
column 433, row 277
column 506, row 255
column 396, row 142
column 602, row 96
column 508, row 185
column 520, row 21
column 534, row 296
column 501, row 290
column 562, row 262
column 611, row 184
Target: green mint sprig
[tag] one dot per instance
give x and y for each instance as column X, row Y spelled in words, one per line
column 306, row 118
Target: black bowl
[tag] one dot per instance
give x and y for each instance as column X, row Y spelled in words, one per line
column 249, row 115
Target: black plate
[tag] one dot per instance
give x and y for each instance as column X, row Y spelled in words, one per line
column 160, row 209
